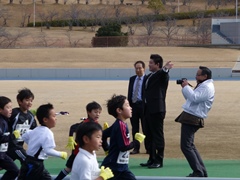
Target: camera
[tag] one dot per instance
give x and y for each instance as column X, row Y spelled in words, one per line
column 180, row 81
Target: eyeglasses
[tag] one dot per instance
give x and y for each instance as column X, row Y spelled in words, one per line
column 198, row 74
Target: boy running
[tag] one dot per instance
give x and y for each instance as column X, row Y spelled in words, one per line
column 93, row 113
column 85, row 166
column 5, row 161
column 118, row 150
column 41, row 144
column 23, row 120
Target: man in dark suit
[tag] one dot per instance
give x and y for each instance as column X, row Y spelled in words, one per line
column 155, row 89
column 135, row 89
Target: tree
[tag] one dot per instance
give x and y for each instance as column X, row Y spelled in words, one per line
column 111, row 29
column 72, row 14
column 170, row 30
column 156, row 6
column 142, row 1
column 148, row 23
column 202, row 31
column 110, row 35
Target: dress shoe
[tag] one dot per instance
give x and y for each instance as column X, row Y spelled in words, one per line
column 135, row 151
column 155, row 165
column 148, row 163
column 194, row 175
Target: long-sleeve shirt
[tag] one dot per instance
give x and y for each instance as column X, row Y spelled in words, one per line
column 118, row 151
column 41, row 143
column 199, row 100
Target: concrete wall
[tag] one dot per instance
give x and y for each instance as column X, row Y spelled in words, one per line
column 229, row 27
column 99, row 74
column 231, row 30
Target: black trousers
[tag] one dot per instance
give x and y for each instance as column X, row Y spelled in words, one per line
column 190, row 151
column 33, row 169
column 125, row 175
column 11, row 168
column 19, row 154
column 155, row 134
column 136, row 119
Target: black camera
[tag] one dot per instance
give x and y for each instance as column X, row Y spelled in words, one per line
column 180, row 81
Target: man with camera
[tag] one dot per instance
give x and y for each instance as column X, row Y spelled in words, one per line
column 198, row 103
column 154, row 95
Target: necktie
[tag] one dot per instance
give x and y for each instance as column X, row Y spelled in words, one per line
column 136, row 90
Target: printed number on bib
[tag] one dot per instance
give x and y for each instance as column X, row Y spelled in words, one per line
column 123, row 157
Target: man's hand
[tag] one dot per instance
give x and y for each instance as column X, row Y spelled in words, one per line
column 184, row 83
column 105, row 125
column 168, row 65
column 16, row 133
column 139, row 137
column 63, row 155
column 106, row 173
column 71, row 143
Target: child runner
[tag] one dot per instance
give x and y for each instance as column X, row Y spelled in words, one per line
column 85, row 165
column 93, row 113
column 5, row 161
column 41, row 144
column 118, row 150
column 22, row 119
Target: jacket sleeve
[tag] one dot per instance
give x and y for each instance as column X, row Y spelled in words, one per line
column 73, row 129
column 105, row 136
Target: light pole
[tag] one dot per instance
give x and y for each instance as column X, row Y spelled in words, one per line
column 178, row 5
column 33, row 13
column 236, row 9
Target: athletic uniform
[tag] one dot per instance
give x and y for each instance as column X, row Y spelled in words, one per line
column 41, row 144
column 23, row 122
column 87, row 163
column 5, row 161
column 118, row 150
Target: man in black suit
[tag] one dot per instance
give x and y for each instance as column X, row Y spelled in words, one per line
column 135, row 89
column 155, row 89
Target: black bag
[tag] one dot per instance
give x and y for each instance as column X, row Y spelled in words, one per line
column 190, row 119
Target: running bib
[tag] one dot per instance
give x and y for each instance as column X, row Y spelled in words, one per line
column 22, row 128
column 4, row 146
column 123, row 157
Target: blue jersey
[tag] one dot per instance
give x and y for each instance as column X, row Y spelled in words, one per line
column 118, row 150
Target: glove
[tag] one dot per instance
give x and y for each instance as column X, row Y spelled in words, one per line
column 106, row 153
column 33, row 111
column 63, row 155
column 16, row 133
column 71, row 143
column 106, row 173
column 105, row 125
column 139, row 137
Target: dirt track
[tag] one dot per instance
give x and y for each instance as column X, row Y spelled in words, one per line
column 218, row 140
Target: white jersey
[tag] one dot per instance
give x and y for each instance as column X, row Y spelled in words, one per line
column 39, row 139
column 85, row 166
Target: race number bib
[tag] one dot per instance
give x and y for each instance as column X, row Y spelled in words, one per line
column 22, row 128
column 4, row 146
column 123, row 157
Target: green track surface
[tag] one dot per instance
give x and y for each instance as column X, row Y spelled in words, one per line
column 172, row 167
